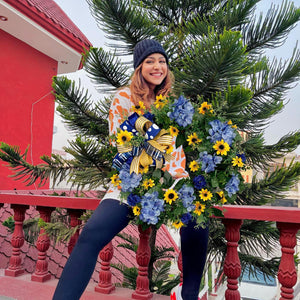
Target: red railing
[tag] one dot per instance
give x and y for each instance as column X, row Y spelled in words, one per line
column 287, row 221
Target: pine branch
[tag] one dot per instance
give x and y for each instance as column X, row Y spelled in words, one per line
column 76, row 108
column 105, row 70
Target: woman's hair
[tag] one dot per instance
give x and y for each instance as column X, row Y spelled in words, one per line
column 140, row 90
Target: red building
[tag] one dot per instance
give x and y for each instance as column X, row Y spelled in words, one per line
column 38, row 41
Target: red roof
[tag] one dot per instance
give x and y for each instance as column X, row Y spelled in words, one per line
column 51, row 17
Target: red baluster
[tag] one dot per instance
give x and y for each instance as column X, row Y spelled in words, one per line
column 232, row 266
column 287, row 274
column 143, row 257
column 105, row 286
column 14, row 268
column 41, row 273
column 75, row 214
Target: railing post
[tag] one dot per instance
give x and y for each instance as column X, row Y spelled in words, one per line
column 41, row 273
column 14, row 268
column 75, row 214
column 287, row 274
column 105, row 286
column 232, row 266
column 143, row 258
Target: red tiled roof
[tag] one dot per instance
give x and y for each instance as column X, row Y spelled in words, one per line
column 51, row 17
column 57, row 256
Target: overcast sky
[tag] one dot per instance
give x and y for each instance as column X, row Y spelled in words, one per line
column 288, row 120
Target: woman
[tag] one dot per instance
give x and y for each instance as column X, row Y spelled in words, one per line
column 151, row 77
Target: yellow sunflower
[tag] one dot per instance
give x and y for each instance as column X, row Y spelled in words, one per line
column 173, row 131
column 177, row 224
column 199, row 208
column 139, row 109
column 169, row 149
column 170, row 196
column 193, row 139
column 237, row 161
column 160, row 101
column 143, row 169
column 205, row 194
column 194, row 166
column 221, row 147
column 124, row 137
column 136, row 210
column 115, row 180
column 204, row 108
column 222, row 196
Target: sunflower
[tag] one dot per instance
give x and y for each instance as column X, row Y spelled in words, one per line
column 143, row 169
column 177, row 224
column 222, row 196
column 221, row 147
column 237, row 161
column 139, row 109
column 199, row 208
column 169, row 149
column 204, row 108
column 205, row 194
column 194, row 166
column 160, row 101
column 173, row 131
column 170, row 196
column 193, row 139
column 115, row 180
column 124, row 137
column 136, row 210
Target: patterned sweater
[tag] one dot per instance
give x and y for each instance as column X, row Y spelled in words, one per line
column 120, row 109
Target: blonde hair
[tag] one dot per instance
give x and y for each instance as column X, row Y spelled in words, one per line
column 140, row 90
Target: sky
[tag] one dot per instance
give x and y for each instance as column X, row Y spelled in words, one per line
column 283, row 123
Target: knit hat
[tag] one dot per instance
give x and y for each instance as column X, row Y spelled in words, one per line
column 144, row 48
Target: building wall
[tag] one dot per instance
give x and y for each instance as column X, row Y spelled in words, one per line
column 26, row 102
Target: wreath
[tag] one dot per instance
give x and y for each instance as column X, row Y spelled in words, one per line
column 214, row 161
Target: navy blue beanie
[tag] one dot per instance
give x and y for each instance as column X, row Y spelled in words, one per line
column 144, row 48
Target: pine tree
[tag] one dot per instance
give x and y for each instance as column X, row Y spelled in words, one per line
column 217, row 51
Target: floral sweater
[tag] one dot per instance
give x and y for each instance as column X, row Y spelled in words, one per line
column 120, row 109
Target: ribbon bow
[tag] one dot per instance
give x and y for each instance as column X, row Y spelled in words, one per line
column 151, row 152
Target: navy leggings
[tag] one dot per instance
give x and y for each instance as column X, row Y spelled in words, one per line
column 108, row 219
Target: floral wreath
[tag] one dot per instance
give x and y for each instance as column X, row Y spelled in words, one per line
column 214, row 162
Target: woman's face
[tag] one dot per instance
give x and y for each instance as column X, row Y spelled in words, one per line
column 154, row 69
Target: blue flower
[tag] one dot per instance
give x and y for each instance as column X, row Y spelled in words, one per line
column 221, row 131
column 151, row 209
column 182, row 112
column 133, row 199
column 209, row 162
column 186, row 194
column 232, row 186
column 185, row 218
column 199, row 182
column 129, row 181
column 242, row 156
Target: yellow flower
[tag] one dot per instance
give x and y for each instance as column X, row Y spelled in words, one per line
column 148, row 183
column 115, row 180
column 204, row 108
column 237, row 161
column 143, row 170
column 173, row 131
column 221, row 147
column 139, row 109
column 124, row 137
column 160, row 101
column 205, row 194
column 136, row 210
column 230, row 123
column 170, row 196
column 194, row 166
column 193, row 139
column 177, row 224
column 222, row 196
column 199, row 208
column 169, row 149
